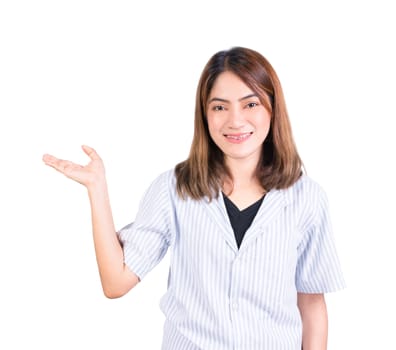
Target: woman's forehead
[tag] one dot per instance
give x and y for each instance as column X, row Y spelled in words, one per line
column 229, row 86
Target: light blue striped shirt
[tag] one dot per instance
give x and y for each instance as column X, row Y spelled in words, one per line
column 220, row 297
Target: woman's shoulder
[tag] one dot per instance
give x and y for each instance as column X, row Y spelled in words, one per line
column 308, row 199
column 167, row 176
column 160, row 189
column 306, row 188
column 165, row 180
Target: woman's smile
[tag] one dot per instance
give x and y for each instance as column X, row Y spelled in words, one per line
column 238, row 137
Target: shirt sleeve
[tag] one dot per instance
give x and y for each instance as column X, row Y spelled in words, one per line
column 318, row 267
column 146, row 240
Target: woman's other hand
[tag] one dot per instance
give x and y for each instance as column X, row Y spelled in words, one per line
column 88, row 175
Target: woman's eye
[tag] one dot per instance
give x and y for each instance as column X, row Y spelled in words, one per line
column 218, row 108
column 252, row 104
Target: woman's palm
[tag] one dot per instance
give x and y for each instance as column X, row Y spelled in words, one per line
column 84, row 174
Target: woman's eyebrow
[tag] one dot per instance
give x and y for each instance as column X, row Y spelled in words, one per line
column 217, row 99
column 248, row 96
column 227, row 101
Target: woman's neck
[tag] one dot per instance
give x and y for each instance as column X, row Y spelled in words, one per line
column 244, row 187
column 243, row 171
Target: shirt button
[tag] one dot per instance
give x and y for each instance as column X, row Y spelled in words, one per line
column 235, row 306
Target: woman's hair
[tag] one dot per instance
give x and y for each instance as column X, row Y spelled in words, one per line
column 202, row 174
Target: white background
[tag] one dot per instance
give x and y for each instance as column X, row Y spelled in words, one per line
column 121, row 76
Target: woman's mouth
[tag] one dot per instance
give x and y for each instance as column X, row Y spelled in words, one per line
column 238, row 138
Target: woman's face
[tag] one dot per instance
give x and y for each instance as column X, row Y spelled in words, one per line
column 238, row 122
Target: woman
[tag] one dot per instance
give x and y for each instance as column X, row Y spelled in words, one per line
column 252, row 252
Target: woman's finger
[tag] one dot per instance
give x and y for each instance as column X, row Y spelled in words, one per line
column 64, row 166
column 90, row 152
column 49, row 159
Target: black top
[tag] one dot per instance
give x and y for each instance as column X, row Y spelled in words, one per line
column 241, row 219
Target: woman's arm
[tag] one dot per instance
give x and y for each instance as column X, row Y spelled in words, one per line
column 314, row 319
column 115, row 277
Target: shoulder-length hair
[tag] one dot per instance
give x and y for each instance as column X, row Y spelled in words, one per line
column 202, row 174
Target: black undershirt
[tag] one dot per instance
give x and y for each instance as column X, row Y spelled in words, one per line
column 241, row 219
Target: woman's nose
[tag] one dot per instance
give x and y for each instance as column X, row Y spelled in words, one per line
column 235, row 118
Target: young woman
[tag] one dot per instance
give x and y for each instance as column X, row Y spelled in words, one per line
column 252, row 251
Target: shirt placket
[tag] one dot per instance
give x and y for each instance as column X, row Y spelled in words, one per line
column 235, row 302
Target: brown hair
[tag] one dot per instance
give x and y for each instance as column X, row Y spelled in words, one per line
column 203, row 172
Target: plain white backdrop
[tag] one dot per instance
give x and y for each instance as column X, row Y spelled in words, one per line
column 121, row 76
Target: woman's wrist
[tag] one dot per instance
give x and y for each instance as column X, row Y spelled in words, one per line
column 97, row 187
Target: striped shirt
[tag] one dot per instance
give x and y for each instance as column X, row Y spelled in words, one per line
column 220, row 297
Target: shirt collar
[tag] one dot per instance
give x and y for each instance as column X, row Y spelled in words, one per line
column 274, row 202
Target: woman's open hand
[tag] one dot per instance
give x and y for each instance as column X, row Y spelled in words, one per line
column 87, row 175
